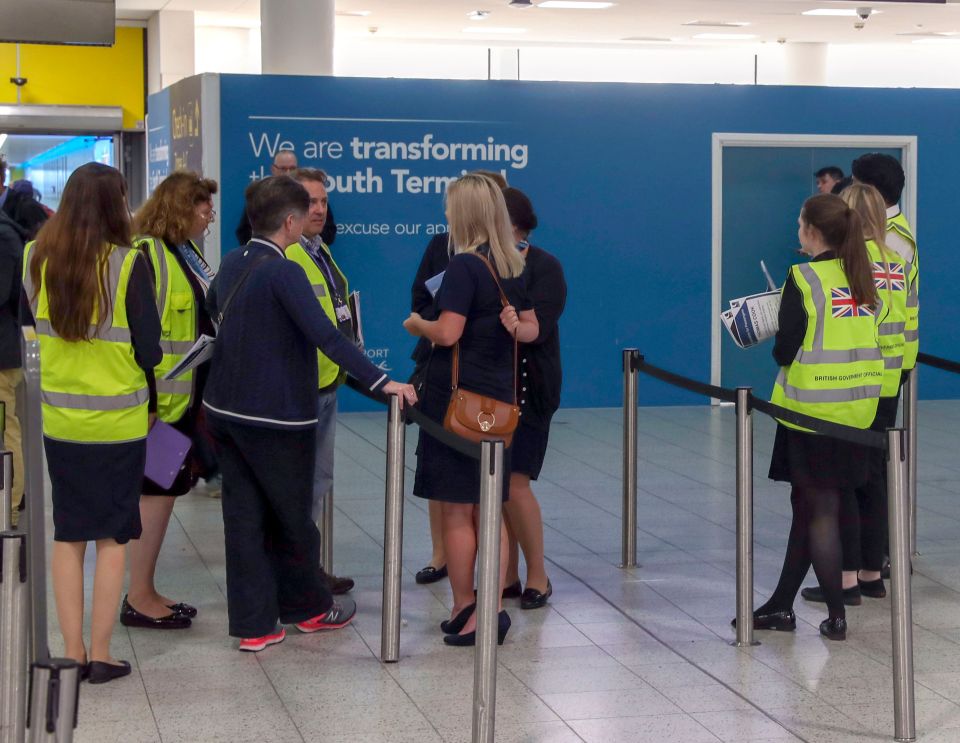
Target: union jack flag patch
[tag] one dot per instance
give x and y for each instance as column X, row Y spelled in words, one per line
column 844, row 304
column 892, row 272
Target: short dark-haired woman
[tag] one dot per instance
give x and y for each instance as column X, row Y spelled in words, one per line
column 830, row 368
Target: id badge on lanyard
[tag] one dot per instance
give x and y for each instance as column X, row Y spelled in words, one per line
column 343, row 313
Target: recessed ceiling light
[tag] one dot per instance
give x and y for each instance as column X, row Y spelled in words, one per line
column 725, row 37
column 718, row 24
column 355, row 13
column 648, row 39
column 494, row 30
column 849, row 12
column 478, row 15
column 575, row 5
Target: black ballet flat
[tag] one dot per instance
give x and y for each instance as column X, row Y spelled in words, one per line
column 470, row 639
column 130, row 617
column 851, row 596
column 99, row 672
column 534, row 599
column 184, row 609
column 874, row 589
column 431, row 574
column 453, row 626
column 834, row 628
column 777, row 621
column 513, row 591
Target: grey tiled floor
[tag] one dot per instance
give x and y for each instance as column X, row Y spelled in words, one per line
column 639, row 655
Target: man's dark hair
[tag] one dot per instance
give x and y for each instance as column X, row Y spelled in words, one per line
column 520, row 209
column 841, row 184
column 271, row 200
column 883, row 172
column 831, row 171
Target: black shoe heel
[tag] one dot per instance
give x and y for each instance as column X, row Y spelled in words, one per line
column 453, row 626
column 834, row 628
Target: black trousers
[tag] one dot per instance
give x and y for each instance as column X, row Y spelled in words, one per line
column 272, row 545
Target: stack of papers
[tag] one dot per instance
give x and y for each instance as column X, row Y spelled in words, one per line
column 752, row 319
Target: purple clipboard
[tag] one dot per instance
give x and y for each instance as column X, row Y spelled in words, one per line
column 167, row 449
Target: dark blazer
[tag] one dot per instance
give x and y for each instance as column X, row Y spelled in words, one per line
column 12, row 237
column 435, row 259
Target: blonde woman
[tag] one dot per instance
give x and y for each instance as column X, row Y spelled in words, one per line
column 863, row 517
column 471, row 315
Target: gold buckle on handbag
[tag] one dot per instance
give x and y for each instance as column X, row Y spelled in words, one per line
column 486, row 425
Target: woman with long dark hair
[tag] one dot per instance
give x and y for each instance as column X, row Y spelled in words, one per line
column 831, row 368
column 91, row 298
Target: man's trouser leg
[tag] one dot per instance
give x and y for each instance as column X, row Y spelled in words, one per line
column 9, row 379
column 323, row 470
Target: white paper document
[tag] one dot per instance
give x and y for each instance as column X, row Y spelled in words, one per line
column 355, row 319
column 202, row 351
column 753, row 318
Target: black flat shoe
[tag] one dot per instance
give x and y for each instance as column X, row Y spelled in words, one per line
column 182, row 608
column 851, row 596
column 453, row 626
column 340, row 586
column 470, row 639
column 834, row 629
column 874, row 589
column 431, row 574
column 513, row 591
column 130, row 617
column 533, row 599
column 778, row 621
column 99, row 672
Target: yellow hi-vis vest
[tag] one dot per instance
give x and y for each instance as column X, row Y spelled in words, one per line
column 176, row 305
column 838, row 371
column 91, row 391
column 329, row 372
column 911, row 335
column 890, row 276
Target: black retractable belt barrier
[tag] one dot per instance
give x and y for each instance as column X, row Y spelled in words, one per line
column 862, row 436
column 939, row 363
column 700, row 388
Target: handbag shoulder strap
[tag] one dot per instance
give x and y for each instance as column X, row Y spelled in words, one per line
column 240, row 282
column 504, row 302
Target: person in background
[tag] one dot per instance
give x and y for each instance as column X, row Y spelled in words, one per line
column 261, row 401
column 435, row 259
column 285, row 163
column 169, row 226
column 92, row 300
column 21, row 204
column 863, row 519
column 332, row 292
column 471, row 317
column 539, row 396
column 840, row 185
column 827, row 178
column 827, row 312
column 12, row 237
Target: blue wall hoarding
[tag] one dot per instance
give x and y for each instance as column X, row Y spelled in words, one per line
column 620, row 176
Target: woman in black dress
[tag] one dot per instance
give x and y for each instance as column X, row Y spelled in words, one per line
column 169, row 226
column 471, row 315
column 92, row 301
column 539, row 396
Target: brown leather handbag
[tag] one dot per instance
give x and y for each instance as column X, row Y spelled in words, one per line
column 477, row 417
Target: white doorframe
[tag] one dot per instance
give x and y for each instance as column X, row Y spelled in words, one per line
column 906, row 144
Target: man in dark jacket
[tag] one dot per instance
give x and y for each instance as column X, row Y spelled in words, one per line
column 21, row 207
column 11, row 266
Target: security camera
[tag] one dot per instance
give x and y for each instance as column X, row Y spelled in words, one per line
column 864, row 13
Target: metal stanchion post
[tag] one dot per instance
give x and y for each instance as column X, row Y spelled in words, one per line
column 393, row 535
column 14, row 629
column 910, row 423
column 628, row 550
column 28, row 397
column 901, row 606
column 326, row 532
column 488, row 591
column 744, row 520
column 54, row 692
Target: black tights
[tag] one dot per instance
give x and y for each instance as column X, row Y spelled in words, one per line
column 814, row 538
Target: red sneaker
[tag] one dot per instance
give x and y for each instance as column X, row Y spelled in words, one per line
column 256, row 644
column 337, row 616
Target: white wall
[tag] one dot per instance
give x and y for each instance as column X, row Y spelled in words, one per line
column 227, row 49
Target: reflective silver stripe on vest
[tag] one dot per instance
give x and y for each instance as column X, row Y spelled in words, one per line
column 913, row 299
column 892, row 328
column 94, row 402
column 893, row 362
column 819, row 302
column 319, row 290
column 160, row 249
column 176, row 347
column 849, row 394
column 911, row 335
column 114, row 267
column 174, row 387
column 851, row 356
column 114, row 335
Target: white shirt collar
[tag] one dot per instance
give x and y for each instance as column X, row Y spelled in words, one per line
column 893, row 211
column 269, row 244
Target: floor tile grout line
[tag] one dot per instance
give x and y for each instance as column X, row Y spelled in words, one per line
column 143, row 683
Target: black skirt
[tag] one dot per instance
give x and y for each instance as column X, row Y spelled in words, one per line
column 96, row 489
column 528, row 450
column 444, row 474
column 815, row 461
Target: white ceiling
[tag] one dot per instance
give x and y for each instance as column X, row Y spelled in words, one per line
column 444, row 20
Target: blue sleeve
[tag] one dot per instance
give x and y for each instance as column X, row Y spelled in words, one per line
column 458, row 287
column 292, row 291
